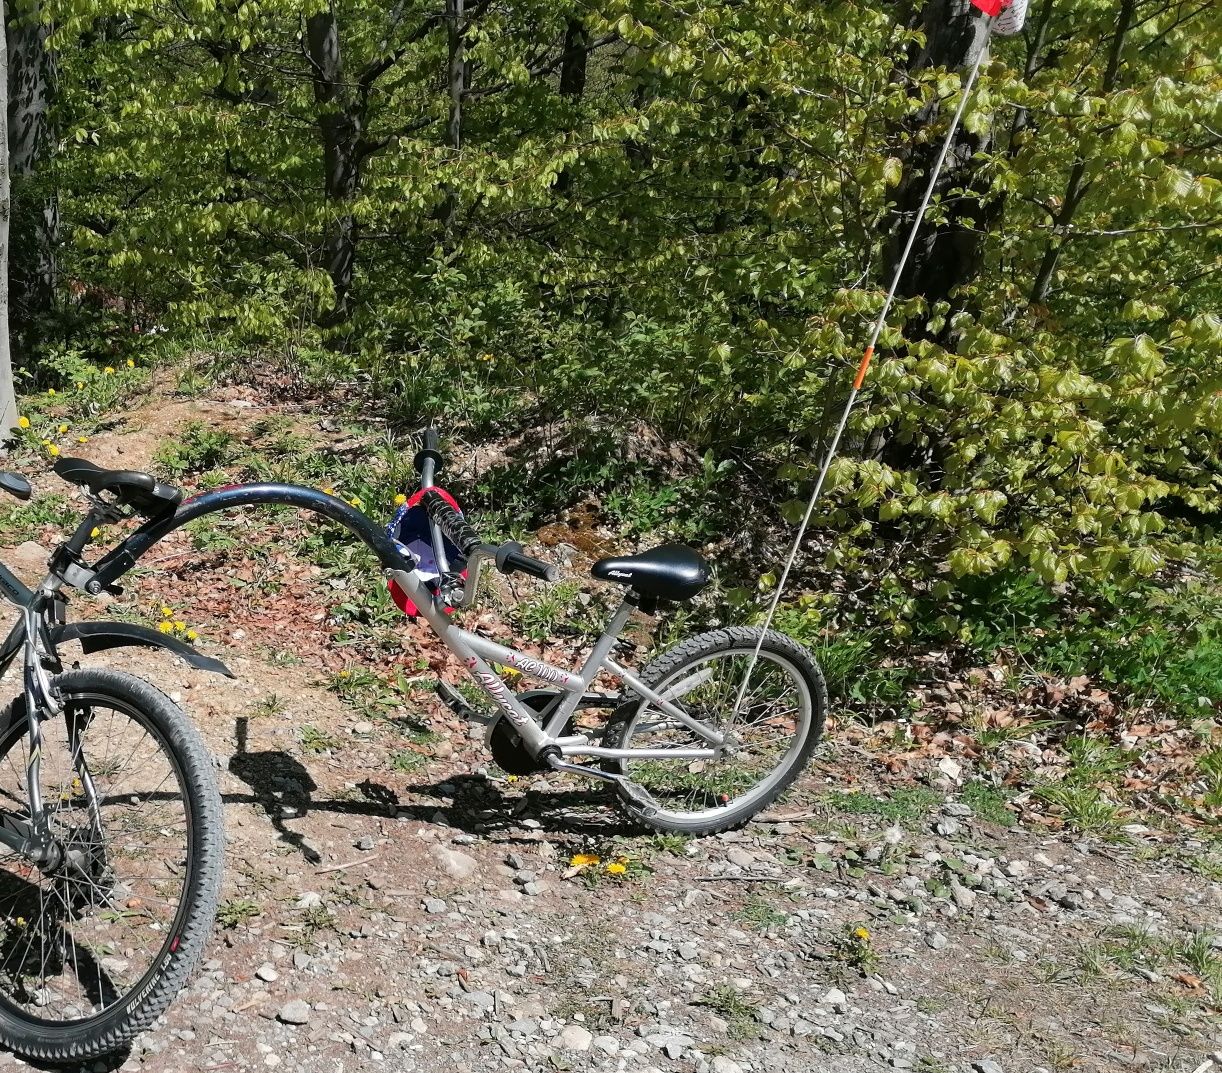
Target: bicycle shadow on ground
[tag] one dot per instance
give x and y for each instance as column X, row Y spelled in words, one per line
column 284, row 789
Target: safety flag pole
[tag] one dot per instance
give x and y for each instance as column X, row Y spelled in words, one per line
column 1013, row 16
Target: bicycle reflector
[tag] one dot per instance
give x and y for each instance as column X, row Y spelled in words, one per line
column 410, row 530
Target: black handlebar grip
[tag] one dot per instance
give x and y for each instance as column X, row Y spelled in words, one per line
column 430, row 449
column 510, row 557
column 451, row 522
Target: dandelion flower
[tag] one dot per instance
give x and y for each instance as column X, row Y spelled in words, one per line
column 862, row 933
column 400, row 499
column 51, row 391
column 63, row 429
column 167, row 611
column 80, row 384
column 584, row 860
column 328, row 491
column 191, row 635
column 356, row 502
column 23, row 422
column 53, row 450
column 109, row 370
column 616, row 868
column 95, row 532
column 179, row 625
column 165, row 626
column 82, row 439
column 131, row 364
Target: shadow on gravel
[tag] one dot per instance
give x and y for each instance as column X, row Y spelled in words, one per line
column 282, row 786
column 105, row 1064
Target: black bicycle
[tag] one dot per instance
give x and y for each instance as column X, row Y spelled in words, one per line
column 111, row 828
column 111, row 825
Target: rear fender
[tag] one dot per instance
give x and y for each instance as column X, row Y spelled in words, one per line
column 99, row 636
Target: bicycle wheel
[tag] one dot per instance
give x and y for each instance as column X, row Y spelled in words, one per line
column 776, row 730
column 93, row 951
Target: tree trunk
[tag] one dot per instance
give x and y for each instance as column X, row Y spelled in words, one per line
column 35, row 217
column 576, row 54
column 340, row 123
column 1078, row 185
column 950, row 253
column 8, row 400
column 456, row 78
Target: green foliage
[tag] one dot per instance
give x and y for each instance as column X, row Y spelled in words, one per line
column 908, row 806
column 197, row 448
column 689, row 239
column 26, row 521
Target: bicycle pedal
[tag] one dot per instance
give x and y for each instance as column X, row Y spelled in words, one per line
column 640, row 797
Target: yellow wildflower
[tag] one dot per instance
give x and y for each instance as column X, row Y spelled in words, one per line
column 165, row 626
column 328, row 491
column 356, row 502
column 511, row 778
column 63, row 429
column 131, row 364
column 109, row 370
column 167, row 611
column 191, row 635
column 400, row 499
column 179, row 625
column 53, row 451
column 23, row 422
column 617, row 868
column 583, row 860
column 51, row 391
column 80, row 384
column 862, row 933
column 82, row 439
column 95, row 532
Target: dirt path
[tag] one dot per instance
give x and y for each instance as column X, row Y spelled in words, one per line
column 391, row 902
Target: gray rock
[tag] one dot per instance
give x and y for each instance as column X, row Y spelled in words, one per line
column 294, row 1012
column 936, row 940
column 434, row 905
column 741, row 857
column 722, row 1064
column 267, row 973
column 986, row 1065
column 607, row 1044
column 455, row 863
column 574, row 1038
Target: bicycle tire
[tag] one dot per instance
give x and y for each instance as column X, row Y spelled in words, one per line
column 732, row 640
column 115, row 1026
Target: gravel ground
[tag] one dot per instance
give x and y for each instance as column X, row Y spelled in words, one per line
column 432, row 920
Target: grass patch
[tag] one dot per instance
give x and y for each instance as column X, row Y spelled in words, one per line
column 26, row 521
column 318, row 741
column 988, row 803
column 234, row 912
column 759, row 914
column 906, row 806
column 735, row 1009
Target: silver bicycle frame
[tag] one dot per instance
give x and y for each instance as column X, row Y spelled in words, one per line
column 477, row 652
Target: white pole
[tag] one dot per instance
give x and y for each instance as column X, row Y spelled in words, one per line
column 879, row 324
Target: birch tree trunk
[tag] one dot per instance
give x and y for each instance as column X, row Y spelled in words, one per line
column 8, row 400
